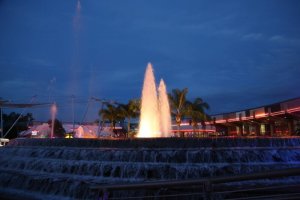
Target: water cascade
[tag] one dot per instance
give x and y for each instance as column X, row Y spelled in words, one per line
column 68, row 168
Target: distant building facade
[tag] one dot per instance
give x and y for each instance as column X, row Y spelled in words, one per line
column 279, row 119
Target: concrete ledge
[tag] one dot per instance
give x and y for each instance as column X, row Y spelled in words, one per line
column 160, row 142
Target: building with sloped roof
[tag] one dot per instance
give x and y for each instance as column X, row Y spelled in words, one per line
column 278, row 119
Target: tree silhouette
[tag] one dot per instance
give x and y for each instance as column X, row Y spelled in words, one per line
column 196, row 110
column 130, row 110
column 59, row 130
column 178, row 105
column 21, row 125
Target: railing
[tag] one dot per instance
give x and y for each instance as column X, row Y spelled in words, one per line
column 3, row 141
column 206, row 186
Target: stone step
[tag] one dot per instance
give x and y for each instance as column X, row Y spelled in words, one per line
column 60, row 186
column 138, row 170
column 221, row 155
column 67, row 168
column 160, row 142
column 17, row 194
column 30, row 184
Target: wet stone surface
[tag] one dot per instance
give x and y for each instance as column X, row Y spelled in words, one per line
column 67, row 168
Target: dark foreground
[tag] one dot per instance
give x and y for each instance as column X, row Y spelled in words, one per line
column 89, row 169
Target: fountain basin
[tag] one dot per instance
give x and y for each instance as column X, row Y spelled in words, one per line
column 66, row 168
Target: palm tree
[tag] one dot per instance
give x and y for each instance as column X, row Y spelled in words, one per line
column 112, row 114
column 130, row 110
column 196, row 110
column 178, row 105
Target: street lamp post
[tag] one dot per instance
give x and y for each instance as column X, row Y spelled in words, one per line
column 1, row 110
column 73, row 111
column 1, row 122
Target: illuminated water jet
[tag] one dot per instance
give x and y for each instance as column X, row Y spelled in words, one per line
column 53, row 112
column 164, row 110
column 155, row 112
column 149, row 120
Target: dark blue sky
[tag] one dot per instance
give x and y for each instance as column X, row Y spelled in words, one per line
column 233, row 54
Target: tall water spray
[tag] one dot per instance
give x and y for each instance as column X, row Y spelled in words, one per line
column 149, row 122
column 155, row 115
column 164, row 110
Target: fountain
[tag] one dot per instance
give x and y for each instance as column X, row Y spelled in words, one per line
column 164, row 110
column 53, row 112
column 155, row 120
column 68, row 168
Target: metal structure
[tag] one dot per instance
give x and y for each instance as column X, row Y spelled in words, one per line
column 7, row 104
column 207, row 188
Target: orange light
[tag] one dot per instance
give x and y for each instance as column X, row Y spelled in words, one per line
column 221, row 121
column 261, row 115
column 196, row 130
column 233, row 120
